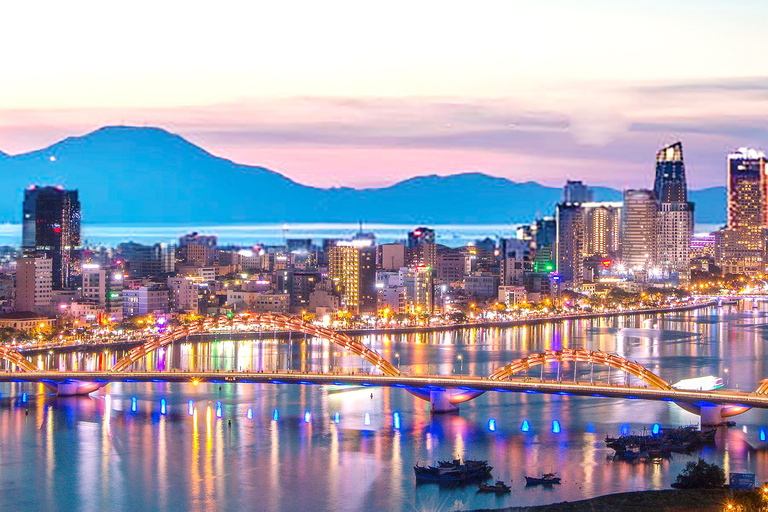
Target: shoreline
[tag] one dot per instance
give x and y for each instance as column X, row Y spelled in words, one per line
column 667, row 500
column 34, row 351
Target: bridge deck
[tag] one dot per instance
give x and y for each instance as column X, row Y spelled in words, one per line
column 725, row 397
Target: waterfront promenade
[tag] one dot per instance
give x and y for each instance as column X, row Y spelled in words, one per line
column 36, row 349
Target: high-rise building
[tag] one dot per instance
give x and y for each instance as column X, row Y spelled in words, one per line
column 674, row 221
column 344, row 272
column 367, row 285
column 105, row 285
column 420, row 236
column 740, row 247
column 148, row 260
column 602, row 229
column 670, row 185
column 419, row 289
column 747, row 189
column 390, row 256
column 638, row 244
column 33, row 284
column 196, row 238
column 576, row 192
column 570, row 242
column 51, row 229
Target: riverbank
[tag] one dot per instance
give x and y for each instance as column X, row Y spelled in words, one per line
column 269, row 334
column 685, row 500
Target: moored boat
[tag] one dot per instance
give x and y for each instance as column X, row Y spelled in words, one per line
column 546, row 479
column 499, row 487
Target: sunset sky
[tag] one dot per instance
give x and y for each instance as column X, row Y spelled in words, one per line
column 362, row 94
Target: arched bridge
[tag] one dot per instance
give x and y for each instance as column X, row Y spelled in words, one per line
column 250, row 322
column 443, row 392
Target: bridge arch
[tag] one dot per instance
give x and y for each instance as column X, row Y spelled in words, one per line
column 580, row 355
column 12, row 356
column 265, row 320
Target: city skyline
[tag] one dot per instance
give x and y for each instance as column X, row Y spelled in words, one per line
column 369, row 104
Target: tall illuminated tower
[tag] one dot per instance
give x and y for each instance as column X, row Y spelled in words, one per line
column 51, row 229
column 674, row 225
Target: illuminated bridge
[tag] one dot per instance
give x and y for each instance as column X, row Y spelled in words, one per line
column 443, row 392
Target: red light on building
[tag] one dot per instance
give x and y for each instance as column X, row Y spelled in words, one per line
column 607, row 263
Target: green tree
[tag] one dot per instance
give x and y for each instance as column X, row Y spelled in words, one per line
column 700, row 475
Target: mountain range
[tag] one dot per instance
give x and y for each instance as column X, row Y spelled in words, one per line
column 131, row 175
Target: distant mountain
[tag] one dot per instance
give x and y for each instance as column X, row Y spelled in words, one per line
column 148, row 175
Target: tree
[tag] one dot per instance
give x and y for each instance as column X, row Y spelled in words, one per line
column 700, row 475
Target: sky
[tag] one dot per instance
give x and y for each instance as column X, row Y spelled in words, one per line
column 366, row 94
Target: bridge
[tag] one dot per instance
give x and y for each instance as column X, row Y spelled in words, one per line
column 443, row 392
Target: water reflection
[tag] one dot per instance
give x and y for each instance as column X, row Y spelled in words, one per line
column 159, row 445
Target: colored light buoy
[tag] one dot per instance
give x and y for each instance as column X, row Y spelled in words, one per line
column 133, row 404
column 492, row 425
column 249, row 414
column 191, row 407
column 307, row 417
column 336, row 418
column 556, row 427
column 525, row 427
column 275, row 415
column 396, row 420
column 655, row 429
column 367, row 418
column 762, row 434
column 162, row 406
column 23, row 398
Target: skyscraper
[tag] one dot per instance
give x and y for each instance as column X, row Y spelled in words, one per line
column 344, row 272
column 740, row 247
column 638, row 245
column 747, row 189
column 420, row 236
column 576, row 192
column 674, row 224
column 670, row 186
column 51, row 229
column 570, row 242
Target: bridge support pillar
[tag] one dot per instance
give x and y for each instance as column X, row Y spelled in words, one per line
column 75, row 387
column 711, row 415
column 440, row 401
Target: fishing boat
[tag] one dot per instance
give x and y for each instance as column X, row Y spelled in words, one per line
column 546, row 479
column 499, row 487
column 454, row 472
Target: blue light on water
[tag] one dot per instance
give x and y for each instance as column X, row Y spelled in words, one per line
column 556, row 427
column 23, row 398
column 133, row 404
column 191, row 407
column 162, row 406
column 590, row 428
column 367, row 418
column 624, row 429
column 525, row 427
column 249, row 414
column 219, row 412
column 655, row 429
column 307, row 417
column 336, row 418
column 396, row 420
column 492, row 425
column 762, row 434
column 275, row 415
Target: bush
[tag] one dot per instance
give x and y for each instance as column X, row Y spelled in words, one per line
column 700, row 475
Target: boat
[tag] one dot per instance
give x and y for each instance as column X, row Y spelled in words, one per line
column 499, row 487
column 546, row 479
column 454, row 472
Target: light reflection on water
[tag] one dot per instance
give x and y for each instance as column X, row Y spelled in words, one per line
column 97, row 453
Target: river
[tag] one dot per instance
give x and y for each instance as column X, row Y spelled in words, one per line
column 143, row 446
